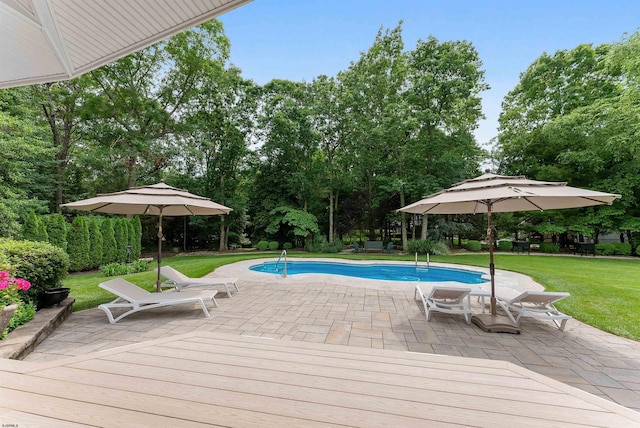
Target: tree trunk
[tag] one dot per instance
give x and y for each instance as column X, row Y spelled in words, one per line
column 403, row 224
column 223, row 240
column 425, row 225
column 330, row 216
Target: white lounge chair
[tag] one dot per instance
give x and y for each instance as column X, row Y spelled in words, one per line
column 449, row 300
column 536, row 304
column 178, row 280
column 132, row 297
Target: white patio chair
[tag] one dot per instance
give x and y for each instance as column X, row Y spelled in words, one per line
column 538, row 305
column 136, row 299
column 448, row 300
column 178, row 280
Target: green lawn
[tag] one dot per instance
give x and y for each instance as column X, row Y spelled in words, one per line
column 605, row 293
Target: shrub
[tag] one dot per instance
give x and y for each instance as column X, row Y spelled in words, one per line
column 320, row 245
column 262, row 245
column 137, row 242
column 108, row 242
column 622, row 248
column 25, row 312
column 287, row 246
column 427, row 247
column 40, row 263
column 120, row 234
column 117, row 269
column 616, row 248
column 34, row 229
column 473, row 245
column 78, row 244
column 131, row 240
column 549, row 247
column 273, row 245
column 504, row 245
column 57, row 230
column 95, row 244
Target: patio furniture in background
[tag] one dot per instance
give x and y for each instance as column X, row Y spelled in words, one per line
column 448, row 300
column 136, row 299
column 372, row 246
column 521, row 247
column 538, row 305
column 583, row 248
column 179, row 281
column 356, row 247
column 389, row 248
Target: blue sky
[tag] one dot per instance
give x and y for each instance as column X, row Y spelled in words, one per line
column 302, row 39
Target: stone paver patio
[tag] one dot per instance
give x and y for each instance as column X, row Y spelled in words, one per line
column 372, row 314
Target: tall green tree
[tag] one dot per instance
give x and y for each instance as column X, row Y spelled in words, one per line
column 78, row 244
column 57, row 230
column 109, row 246
column 34, row 229
column 96, row 244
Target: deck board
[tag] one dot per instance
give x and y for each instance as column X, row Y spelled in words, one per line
column 214, row 379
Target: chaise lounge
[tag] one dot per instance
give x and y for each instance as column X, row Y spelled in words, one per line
column 179, row 281
column 538, row 305
column 136, row 299
column 448, row 300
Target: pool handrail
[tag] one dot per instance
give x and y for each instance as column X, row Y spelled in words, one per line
column 282, row 254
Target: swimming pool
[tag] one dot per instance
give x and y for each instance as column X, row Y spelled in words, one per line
column 389, row 272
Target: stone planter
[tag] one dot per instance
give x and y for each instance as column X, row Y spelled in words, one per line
column 5, row 316
column 52, row 297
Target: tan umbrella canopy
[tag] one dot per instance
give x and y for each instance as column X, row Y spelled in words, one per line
column 156, row 199
column 51, row 40
column 497, row 193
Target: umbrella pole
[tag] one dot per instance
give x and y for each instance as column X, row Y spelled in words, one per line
column 158, row 288
column 493, row 322
column 492, row 267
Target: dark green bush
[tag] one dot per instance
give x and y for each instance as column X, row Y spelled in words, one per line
column 262, row 245
column 320, row 245
column 78, row 244
column 273, row 245
column 473, row 245
column 287, row 246
column 34, row 229
column 96, row 244
column 614, row 249
column 108, row 242
column 549, row 247
column 504, row 245
column 137, row 241
column 120, row 234
column 131, row 239
column 40, row 263
column 57, row 230
column 427, row 247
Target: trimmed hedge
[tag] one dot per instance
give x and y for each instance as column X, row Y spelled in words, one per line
column 273, row 245
column 614, row 249
column 108, row 242
column 34, row 229
column 96, row 244
column 473, row 245
column 57, row 230
column 262, row 246
column 549, row 247
column 40, row 263
column 287, row 246
column 78, row 244
column 504, row 245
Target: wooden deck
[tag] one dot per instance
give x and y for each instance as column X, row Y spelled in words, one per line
column 205, row 379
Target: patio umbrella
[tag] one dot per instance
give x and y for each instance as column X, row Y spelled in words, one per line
column 157, row 199
column 491, row 193
column 51, row 40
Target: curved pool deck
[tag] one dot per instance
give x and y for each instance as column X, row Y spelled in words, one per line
column 364, row 313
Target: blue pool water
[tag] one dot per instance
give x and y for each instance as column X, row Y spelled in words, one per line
column 376, row 271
